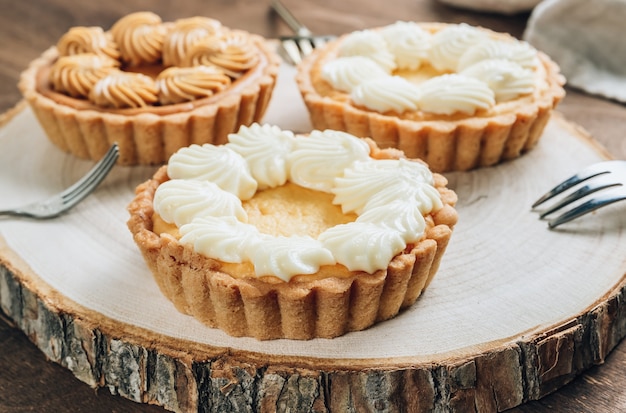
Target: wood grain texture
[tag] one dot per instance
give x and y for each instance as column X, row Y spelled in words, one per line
column 30, row 383
column 496, row 381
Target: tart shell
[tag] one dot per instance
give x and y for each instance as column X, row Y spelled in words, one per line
column 151, row 136
column 269, row 308
column 446, row 144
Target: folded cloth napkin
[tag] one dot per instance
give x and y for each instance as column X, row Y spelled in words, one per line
column 587, row 40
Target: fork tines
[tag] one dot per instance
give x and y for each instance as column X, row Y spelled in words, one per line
column 609, row 176
column 295, row 48
column 63, row 201
column 92, row 179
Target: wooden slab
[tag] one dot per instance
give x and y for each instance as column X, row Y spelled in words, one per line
column 515, row 312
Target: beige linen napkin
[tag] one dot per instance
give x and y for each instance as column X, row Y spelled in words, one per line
column 587, row 39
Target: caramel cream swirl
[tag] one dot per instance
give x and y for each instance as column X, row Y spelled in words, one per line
column 140, row 37
column 124, row 90
column 82, row 39
column 182, row 84
column 233, row 52
column 76, row 74
column 184, row 34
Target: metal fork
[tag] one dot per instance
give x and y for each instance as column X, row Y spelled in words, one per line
column 294, row 48
column 61, row 202
column 609, row 176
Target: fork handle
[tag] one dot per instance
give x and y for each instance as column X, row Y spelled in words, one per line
column 293, row 23
column 9, row 212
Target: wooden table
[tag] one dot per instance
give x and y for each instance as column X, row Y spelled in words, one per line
column 30, row 383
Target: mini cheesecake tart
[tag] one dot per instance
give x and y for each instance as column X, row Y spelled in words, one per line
column 151, row 86
column 276, row 235
column 457, row 96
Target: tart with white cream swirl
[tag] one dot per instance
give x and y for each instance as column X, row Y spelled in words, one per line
column 338, row 236
column 457, row 96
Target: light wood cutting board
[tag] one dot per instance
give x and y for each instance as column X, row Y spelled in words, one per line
column 515, row 312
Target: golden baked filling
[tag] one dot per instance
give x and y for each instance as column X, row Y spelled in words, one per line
column 286, row 220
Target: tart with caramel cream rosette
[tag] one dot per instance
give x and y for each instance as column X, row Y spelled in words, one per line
column 276, row 235
column 457, row 96
column 96, row 87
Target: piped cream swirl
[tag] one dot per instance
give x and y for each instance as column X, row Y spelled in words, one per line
column 399, row 216
column 515, row 51
column 233, row 53
column 390, row 93
column 266, row 149
column 218, row 164
column 316, row 161
column 285, row 257
column 179, row 201
column 345, row 73
column 183, row 84
column 225, row 237
column 371, row 183
column 452, row 93
column 124, row 90
column 82, row 39
column 408, row 42
column 362, row 246
column 507, row 79
column 450, row 43
column 77, row 74
column 184, row 34
column 371, row 44
column 140, row 37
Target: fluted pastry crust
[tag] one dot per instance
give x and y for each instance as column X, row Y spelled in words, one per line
column 305, row 307
column 446, row 143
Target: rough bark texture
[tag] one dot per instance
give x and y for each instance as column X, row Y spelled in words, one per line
column 495, row 380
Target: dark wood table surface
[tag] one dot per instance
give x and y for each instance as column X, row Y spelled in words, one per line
column 29, row 383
